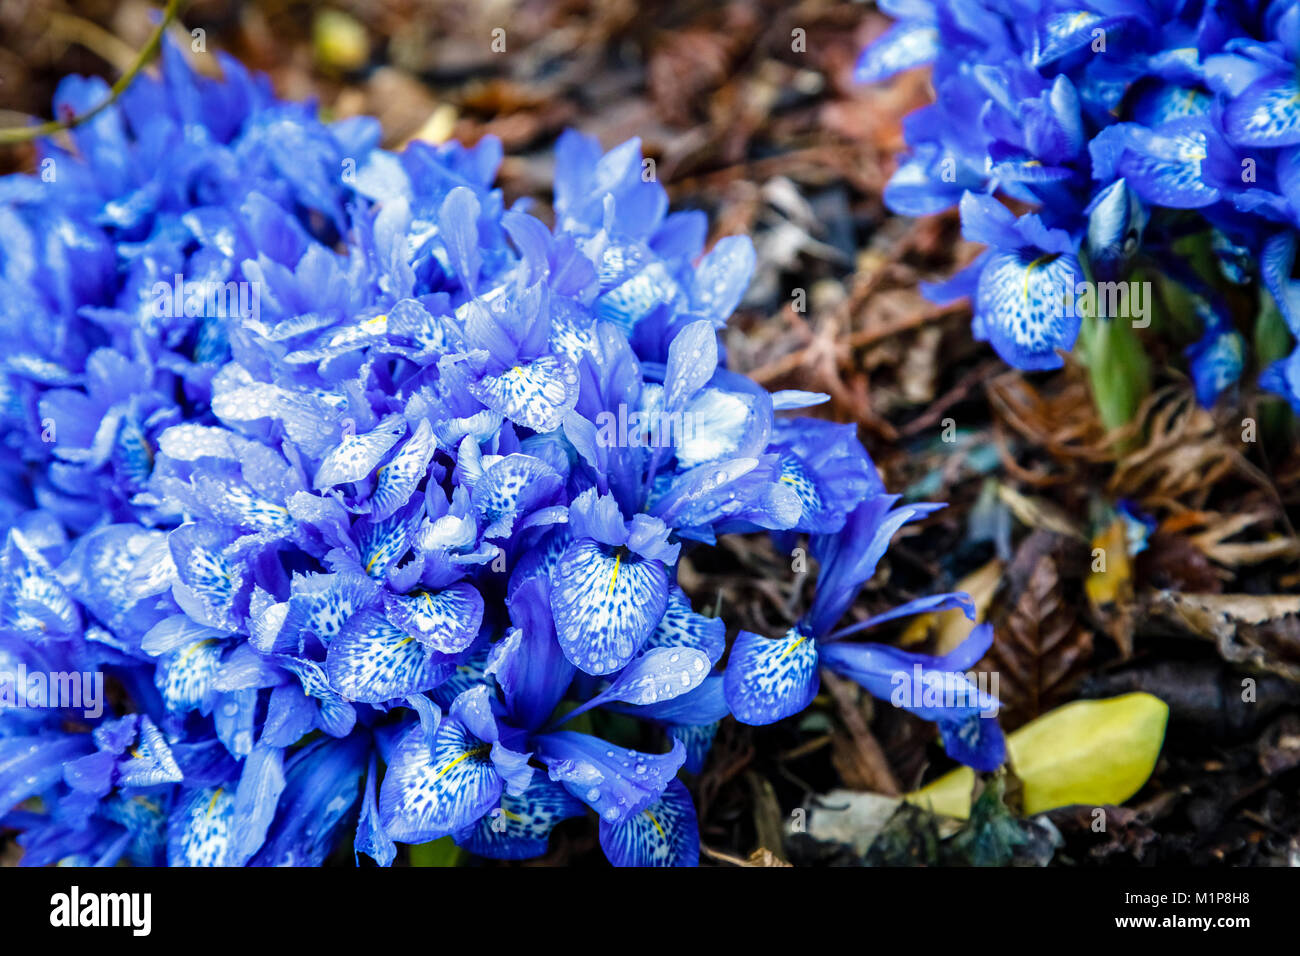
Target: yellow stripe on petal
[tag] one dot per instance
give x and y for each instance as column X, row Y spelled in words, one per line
column 656, row 823
column 791, row 649
column 613, row 579
column 465, row 756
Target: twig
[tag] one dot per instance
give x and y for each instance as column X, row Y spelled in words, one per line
column 869, row 760
column 724, row 857
column 93, row 37
column 23, row 134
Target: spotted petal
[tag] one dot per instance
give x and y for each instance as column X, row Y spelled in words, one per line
column 1164, row 166
column 446, row 621
column 336, row 716
column 397, row 479
column 521, row 826
column 201, row 830
column 318, row 605
column 666, row 833
column 637, row 296
column 426, row 795
column 1022, row 304
column 356, row 456
column 605, row 604
column 512, row 487
column 1069, row 32
column 151, row 760
column 537, row 395
column 187, row 678
column 767, row 680
column 235, row 503
column 1267, row 113
column 383, row 543
column 683, row 627
column 31, row 597
column 372, row 660
column 209, row 582
column 614, row 782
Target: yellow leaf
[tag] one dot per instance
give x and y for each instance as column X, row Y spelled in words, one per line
column 1093, row 752
column 340, row 41
column 953, row 626
column 1114, row 581
column 439, row 127
column 948, row 796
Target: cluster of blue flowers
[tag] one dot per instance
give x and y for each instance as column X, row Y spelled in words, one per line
column 367, row 494
column 1147, row 133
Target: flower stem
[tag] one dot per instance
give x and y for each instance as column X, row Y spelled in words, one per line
column 1118, row 369
column 22, row 134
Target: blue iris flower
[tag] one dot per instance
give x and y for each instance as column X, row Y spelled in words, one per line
column 768, row 679
column 390, row 551
column 1129, row 128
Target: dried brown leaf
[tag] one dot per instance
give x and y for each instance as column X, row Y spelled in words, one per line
column 1040, row 647
column 1262, row 630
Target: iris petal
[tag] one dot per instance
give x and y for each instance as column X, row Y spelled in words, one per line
column 356, row 456
column 537, row 395
column 681, row 626
column 1267, row 113
column 903, row 46
column 1022, row 303
column 767, row 680
column 446, row 621
column 399, row 477
column 666, row 833
column 605, row 604
column 187, row 677
column 426, row 796
column 521, row 826
column 615, row 783
column 372, row 660
column 200, row 831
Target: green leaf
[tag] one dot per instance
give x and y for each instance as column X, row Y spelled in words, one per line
column 1272, row 342
column 1118, row 368
column 441, row 852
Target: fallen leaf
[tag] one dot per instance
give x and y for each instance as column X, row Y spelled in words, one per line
column 1091, row 752
column 847, row 816
column 765, row 857
column 1262, row 630
column 1039, row 648
column 950, row 628
column 1109, row 584
column 1040, row 513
